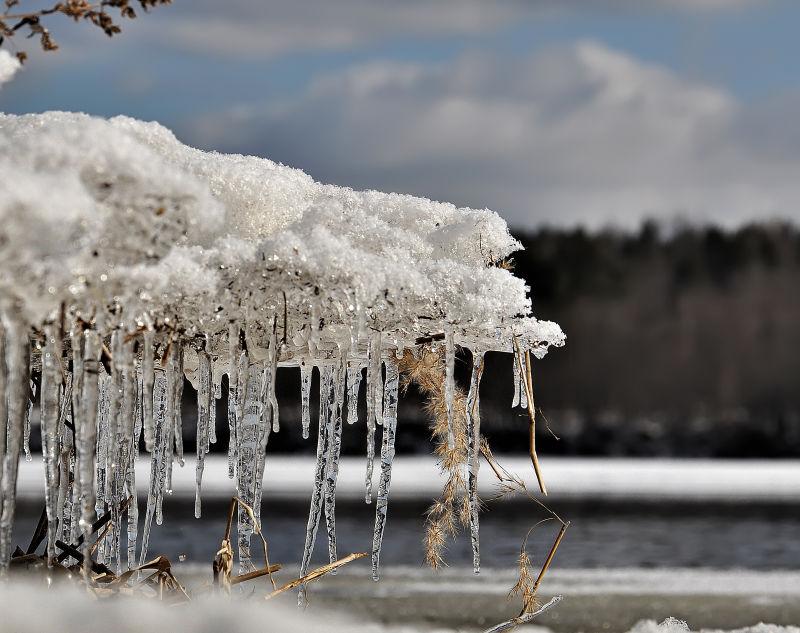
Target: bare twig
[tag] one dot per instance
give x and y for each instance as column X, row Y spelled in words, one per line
column 524, row 361
column 314, row 574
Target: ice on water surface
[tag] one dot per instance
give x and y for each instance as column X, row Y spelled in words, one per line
column 132, row 262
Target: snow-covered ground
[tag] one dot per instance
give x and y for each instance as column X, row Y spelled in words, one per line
column 567, row 478
column 367, row 610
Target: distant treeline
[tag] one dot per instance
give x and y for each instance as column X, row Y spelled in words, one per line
column 684, row 343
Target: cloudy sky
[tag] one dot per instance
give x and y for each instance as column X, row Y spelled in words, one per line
column 561, row 112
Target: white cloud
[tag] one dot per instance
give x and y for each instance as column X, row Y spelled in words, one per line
column 577, row 133
column 270, row 28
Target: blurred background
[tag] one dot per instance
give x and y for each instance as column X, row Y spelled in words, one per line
column 646, row 155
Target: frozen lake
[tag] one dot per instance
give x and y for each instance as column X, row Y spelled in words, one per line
column 624, row 513
column 712, row 542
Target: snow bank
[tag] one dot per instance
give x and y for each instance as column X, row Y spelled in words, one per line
column 69, row 611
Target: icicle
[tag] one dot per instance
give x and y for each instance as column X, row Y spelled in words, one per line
column 178, row 416
column 204, row 400
column 473, row 416
column 241, row 391
column 273, row 355
column 374, row 404
column 320, row 474
column 86, row 437
column 264, row 430
column 375, row 379
column 516, row 401
column 313, row 337
column 248, row 434
column 353, row 385
column 17, row 389
column 233, row 395
column 148, row 378
column 115, row 468
column 305, row 396
column 65, row 486
column 26, row 439
column 387, row 458
column 101, row 444
column 157, row 456
column 51, row 385
column 217, row 394
column 174, row 376
column 77, row 343
column 131, row 413
column 335, row 405
column 519, row 378
column 449, row 383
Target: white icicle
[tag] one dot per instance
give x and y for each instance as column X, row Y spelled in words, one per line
column 177, row 432
column 50, row 413
column 515, row 402
column 17, row 389
column 264, row 430
column 390, row 396
column 157, row 456
column 305, row 396
column 520, row 379
column 26, row 437
column 216, row 395
column 132, row 411
column 86, row 436
column 273, row 355
column 204, row 400
column 243, row 374
column 374, row 404
column 66, row 447
column 354, row 368
column 449, row 382
column 323, row 447
column 233, row 395
column 335, row 407
column 103, row 443
column 248, row 435
column 473, row 423
column 148, row 378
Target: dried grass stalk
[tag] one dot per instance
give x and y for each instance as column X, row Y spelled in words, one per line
column 315, row 574
column 427, row 372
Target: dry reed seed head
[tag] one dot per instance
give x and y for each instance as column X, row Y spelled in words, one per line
column 464, row 511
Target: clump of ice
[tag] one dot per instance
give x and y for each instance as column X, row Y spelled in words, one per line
column 128, row 260
column 119, row 213
column 9, row 65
